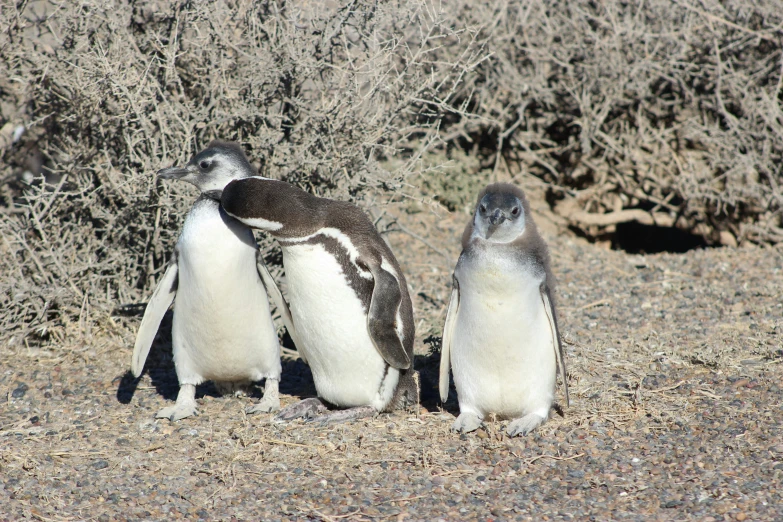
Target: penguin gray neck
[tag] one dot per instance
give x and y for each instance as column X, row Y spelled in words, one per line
column 214, row 195
column 206, row 200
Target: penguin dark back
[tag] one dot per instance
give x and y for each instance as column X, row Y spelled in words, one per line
column 288, row 210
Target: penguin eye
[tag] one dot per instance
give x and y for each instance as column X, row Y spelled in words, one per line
column 482, row 208
column 515, row 211
column 204, row 164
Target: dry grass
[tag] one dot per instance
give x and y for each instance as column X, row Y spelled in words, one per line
column 674, row 367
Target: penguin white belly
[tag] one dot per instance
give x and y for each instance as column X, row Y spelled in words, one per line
column 331, row 324
column 222, row 328
column 503, row 357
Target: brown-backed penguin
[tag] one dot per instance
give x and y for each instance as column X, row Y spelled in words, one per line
column 222, row 329
column 501, row 338
column 352, row 314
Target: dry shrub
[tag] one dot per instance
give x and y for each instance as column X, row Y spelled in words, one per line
column 658, row 112
column 111, row 91
column 662, row 112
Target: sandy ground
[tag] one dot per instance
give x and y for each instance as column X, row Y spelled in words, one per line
column 676, row 384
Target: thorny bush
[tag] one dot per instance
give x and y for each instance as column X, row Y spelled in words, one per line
column 111, row 91
column 664, row 112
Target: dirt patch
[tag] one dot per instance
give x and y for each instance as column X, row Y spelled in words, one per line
column 675, row 374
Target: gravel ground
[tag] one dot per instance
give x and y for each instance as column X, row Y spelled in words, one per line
column 676, row 385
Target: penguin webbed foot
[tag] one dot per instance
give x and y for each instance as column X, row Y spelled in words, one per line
column 270, row 401
column 177, row 412
column 307, row 408
column 340, row 416
column 524, row 425
column 466, row 422
column 185, row 407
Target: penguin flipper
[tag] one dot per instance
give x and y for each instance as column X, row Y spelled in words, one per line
column 557, row 345
column 282, row 306
column 159, row 303
column 448, row 334
column 382, row 318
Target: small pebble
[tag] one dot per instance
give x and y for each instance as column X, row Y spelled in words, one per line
column 20, row 390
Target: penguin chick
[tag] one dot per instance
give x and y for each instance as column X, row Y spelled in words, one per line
column 351, row 310
column 501, row 339
column 222, row 328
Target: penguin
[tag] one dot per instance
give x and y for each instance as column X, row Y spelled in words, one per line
column 351, row 311
column 222, row 329
column 501, row 339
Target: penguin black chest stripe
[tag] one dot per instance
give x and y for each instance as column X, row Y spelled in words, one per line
column 356, row 277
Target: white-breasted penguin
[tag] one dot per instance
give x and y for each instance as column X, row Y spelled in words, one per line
column 222, row 329
column 501, row 338
column 351, row 310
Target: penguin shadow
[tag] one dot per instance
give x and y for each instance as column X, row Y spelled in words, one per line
column 428, row 367
column 126, row 388
column 159, row 366
column 297, row 379
column 127, row 385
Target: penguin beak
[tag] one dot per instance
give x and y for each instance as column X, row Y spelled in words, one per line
column 497, row 217
column 174, row 172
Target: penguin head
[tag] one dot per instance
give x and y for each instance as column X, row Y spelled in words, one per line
column 213, row 168
column 500, row 214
